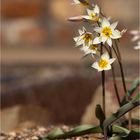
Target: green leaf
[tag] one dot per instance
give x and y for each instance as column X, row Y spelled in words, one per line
column 100, row 114
column 134, row 121
column 126, row 134
column 134, row 134
column 115, row 138
column 78, row 131
column 121, row 131
column 130, row 92
column 55, row 133
column 118, row 129
column 122, row 110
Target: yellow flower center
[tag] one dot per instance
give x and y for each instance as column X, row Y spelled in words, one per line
column 85, row 3
column 103, row 63
column 107, row 31
column 94, row 16
column 93, row 47
column 87, row 37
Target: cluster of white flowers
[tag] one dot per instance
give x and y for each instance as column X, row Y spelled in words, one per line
column 103, row 34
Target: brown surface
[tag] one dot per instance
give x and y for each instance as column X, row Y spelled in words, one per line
column 16, row 8
column 44, row 55
column 68, row 92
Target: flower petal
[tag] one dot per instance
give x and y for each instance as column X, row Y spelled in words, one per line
column 116, row 34
column 114, row 25
column 100, row 69
column 138, row 46
column 89, row 11
column 105, row 23
column 84, row 49
column 76, row 38
column 108, row 67
column 80, row 32
column 103, row 39
column 134, row 32
column 98, row 29
column 84, row 29
column 76, row 2
column 111, row 60
column 96, row 9
column 96, row 40
column 86, row 17
column 95, row 65
column 109, row 42
column 135, row 38
column 123, row 31
column 80, row 42
column 105, row 56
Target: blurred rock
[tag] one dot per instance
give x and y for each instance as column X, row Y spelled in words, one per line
column 21, row 8
column 112, row 105
column 61, row 10
column 19, row 117
column 22, row 32
column 60, row 95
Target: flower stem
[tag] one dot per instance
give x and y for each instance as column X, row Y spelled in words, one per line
column 103, row 94
column 103, row 85
column 123, row 81
column 114, row 76
column 121, row 67
column 103, row 91
column 114, row 81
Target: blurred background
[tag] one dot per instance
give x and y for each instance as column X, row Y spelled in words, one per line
column 44, row 79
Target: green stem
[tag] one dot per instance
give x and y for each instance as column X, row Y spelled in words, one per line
column 121, row 66
column 103, row 94
column 123, row 81
column 103, row 84
column 114, row 81
column 103, row 90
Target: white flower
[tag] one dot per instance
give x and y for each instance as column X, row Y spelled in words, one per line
column 92, row 14
column 92, row 49
column 107, row 32
column 136, row 35
column 104, row 63
column 85, row 38
column 138, row 46
column 84, row 2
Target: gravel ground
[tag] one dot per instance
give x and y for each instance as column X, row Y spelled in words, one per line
column 36, row 133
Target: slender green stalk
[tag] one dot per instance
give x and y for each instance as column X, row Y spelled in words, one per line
column 103, row 84
column 103, row 91
column 121, row 66
column 114, row 81
column 103, row 94
column 123, row 81
column 114, row 76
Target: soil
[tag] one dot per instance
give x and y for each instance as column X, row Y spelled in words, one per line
column 36, row 133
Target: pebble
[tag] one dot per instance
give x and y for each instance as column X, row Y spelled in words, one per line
column 37, row 132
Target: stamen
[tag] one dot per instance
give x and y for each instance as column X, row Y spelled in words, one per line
column 107, row 31
column 93, row 47
column 103, row 63
column 87, row 37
